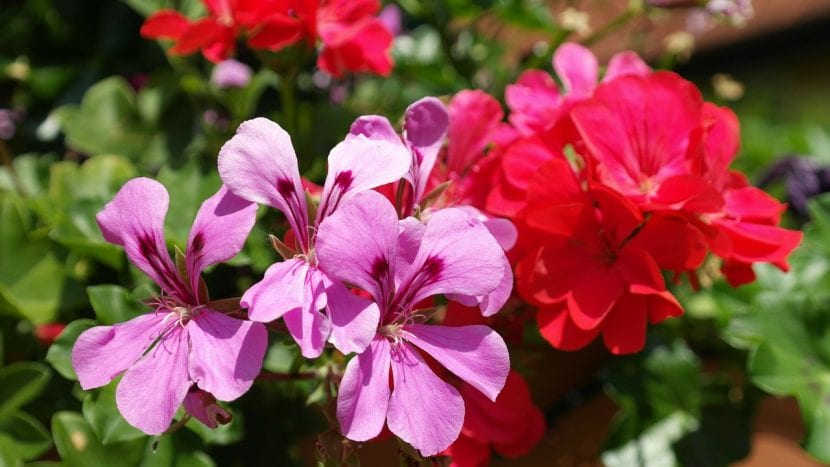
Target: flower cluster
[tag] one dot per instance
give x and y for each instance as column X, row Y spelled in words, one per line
column 352, row 37
column 590, row 194
column 613, row 183
column 356, row 274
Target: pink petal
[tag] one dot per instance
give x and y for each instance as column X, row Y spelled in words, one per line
column 354, row 320
column 357, row 244
column 364, row 392
column 493, row 302
column 374, row 127
column 533, row 100
column 134, row 219
column 410, row 233
column 309, row 329
column 225, row 353
column 424, row 410
column 577, row 67
column 425, row 126
column 626, row 63
column 280, row 291
column 502, row 229
column 152, row 390
column 358, row 164
column 259, row 164
column 474, row 353
column 308, row 326
column 218, row 233
column 474, row 118
column 457, row 256
column 102, row 352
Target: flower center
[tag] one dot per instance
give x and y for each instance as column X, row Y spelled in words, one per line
column 393, row 332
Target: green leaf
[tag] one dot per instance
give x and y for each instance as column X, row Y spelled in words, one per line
column 114, row 304
column 60, row 352
column 31, row 171
column 101, row 413
column 31, row 273
column 787, row 331
column 19, row 384
column 23, row 437
column 78, row 445
column 77, row 194
column 659, row 394
column 107, row 121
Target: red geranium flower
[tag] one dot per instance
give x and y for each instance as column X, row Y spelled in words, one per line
column 586, row 275
column 216, row 34
column 654, row 140
column 353, row 38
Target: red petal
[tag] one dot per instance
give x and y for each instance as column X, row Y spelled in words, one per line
column 361, row 47
column 277, row 32
column 165, row 24
column 619, row 215
column 738, row 273
column 688, row 192
column 624, row 330
column 558, row 329
column 474, row 118
column 751, row 204
column 467, row 452
column 198, row 35
column 672, row 241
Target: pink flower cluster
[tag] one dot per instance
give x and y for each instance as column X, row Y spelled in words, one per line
column 359, row 274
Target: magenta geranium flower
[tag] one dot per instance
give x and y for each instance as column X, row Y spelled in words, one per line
column 183, row 343
column 400, row 263
column 259, row 164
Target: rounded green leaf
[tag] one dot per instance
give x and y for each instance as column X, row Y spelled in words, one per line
column 60, row 353
column 19, row 384
column 23, row 437
column 109, row 426
column 78, row 445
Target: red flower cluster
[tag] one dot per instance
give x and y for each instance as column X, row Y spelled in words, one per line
column 353, row 38
column 612, row 184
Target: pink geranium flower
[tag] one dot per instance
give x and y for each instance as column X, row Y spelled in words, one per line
column 184, row 343
column 426, row 123
column 259, row 164
column 400, row 263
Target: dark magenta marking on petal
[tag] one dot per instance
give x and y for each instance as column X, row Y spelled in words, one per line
column 285, row 187
column 169, row 277
column 432, row 268
column 344, row 180
column 380, row 268
column 198, row 242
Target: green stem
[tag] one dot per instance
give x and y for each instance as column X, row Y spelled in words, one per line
column 288, row 102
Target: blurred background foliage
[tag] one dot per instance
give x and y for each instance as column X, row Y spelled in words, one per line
column 92, row 104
